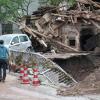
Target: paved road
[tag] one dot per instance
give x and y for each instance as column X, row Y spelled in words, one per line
column 10, row 91
column 13, row 90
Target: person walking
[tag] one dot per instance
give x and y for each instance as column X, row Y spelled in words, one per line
column 4, row 55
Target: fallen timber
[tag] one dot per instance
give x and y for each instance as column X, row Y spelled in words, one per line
column 32, row 32
column 47, row 28
column 64, row 55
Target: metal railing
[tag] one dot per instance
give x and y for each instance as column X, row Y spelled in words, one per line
column 43, row 63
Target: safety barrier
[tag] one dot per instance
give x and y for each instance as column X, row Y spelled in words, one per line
column 29, row 59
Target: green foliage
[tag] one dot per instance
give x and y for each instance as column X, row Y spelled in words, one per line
column 18, row 59
column 32, row 61
column 12, row 9
column 71, row 2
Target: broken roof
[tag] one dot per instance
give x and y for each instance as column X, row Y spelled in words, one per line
column 44, row 24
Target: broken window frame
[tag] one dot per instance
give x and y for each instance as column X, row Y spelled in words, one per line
column 71, row 43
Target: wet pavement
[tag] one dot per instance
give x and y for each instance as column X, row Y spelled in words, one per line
column 10, row 91
column 13, row 90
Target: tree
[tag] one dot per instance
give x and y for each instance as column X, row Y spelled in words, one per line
column 12, row 9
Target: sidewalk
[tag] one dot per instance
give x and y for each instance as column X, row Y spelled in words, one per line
column 12, row 90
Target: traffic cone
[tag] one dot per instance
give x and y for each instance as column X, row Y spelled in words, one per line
column 25, row 78
column 21, row 73
column 36, row 81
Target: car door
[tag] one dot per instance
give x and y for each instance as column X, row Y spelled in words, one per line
column 25, row 43
column 15, row 44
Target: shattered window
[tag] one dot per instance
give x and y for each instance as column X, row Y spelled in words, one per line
column 72, row 38
column 71, row 42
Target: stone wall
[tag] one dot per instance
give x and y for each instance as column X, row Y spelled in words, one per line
column 71, row 35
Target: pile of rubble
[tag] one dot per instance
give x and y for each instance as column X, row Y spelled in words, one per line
column 62, row 26
column 87, row 77
column 67, row 29
column 91, row 85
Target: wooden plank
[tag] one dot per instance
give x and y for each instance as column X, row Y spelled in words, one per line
column 62, row 56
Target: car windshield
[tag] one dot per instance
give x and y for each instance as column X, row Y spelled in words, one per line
column 6, row 39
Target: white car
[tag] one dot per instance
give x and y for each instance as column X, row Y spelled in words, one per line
column 17, row 42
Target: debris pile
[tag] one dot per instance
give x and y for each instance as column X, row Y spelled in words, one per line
column 64, row 29
column 88, row 79
column 68, row 29
column 91, row 85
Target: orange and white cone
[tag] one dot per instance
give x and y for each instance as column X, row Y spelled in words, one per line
column 25, row 78
column 36, row 81
column 21, row 73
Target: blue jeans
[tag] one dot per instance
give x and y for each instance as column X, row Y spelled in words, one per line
column 3, row 66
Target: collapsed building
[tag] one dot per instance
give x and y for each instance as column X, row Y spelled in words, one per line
column 71, row 29
column 68, row 32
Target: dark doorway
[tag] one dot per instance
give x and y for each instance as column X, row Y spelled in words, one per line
column 72, row 42
column 87, row 39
